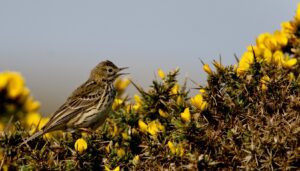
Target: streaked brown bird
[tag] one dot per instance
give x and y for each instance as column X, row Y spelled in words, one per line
column 89, row 105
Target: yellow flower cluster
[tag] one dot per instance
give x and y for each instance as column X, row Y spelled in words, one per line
column 163, row 113
column 17, row 94
column 138, row 102
column 121, row 84
column 115, row 169
column 117, row 103
column 175, row 89
column 13, row 83
column 186, row 115
column 177, row 150
column 35, row 122
column 161, row 74
column 269, row 47
column 199, row 102
column 153, row 128
column 264, row 82
column 14, row 86
column 207, row 69
column 80, row 145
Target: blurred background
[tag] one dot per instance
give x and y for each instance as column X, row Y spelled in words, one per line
column 55, row 44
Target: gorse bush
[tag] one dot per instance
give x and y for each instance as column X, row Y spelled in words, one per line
column 245, row 117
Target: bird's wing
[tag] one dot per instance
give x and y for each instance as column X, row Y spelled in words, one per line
column 84, row 97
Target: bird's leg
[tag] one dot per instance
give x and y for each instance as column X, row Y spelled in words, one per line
column 86, row 130
column 89, row 131
column 78, row 133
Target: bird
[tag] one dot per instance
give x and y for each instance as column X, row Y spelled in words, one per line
column 89, row 105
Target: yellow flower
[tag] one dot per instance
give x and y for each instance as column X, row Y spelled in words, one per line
column 281, row 38
column 278, row 57
column 202, row 91
column 175, row 89
column 106, row 168
column 264, row 87
column 15, row 85
column 115, row 130
column 80, row 145
column 136, row 107
column 161, row 74
column 290, row 63
column 3, row 80
column 137, row 99
column 120, row 152
column 245, row 63
column 31, row 105
column 198, row 102
column 43, row 122
column 25, row 92
column 121, row 84
column 160, row 126
column 172, row 147
column 268, row 56
column 204, row 106
column 258, row 51
column 176, row 149
column 270, row 42
column 207, row 69
column 218, row 65
column 33, row 119
column 125, row 136
column 261, row 39
column 264, row 81
column 291, row 76
column 142, row 125
column 128, row 108
column 186, row 115
column 163, row 113
column 47, row 136
column 117, row 103
column 179, row 100
column 155, row 127
column 180, row 150
column 297, row 16
column 138, row 102
column 288, row 27
column 136, row 160
column 108, row 147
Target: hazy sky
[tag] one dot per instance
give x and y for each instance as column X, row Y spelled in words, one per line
column 56, row 43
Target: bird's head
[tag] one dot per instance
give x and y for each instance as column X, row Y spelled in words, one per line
column 106, row 71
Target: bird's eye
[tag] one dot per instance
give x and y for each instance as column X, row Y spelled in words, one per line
column 110, row 70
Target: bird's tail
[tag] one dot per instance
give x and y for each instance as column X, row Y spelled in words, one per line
column 35, row 135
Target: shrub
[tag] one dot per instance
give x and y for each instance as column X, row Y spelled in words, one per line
column 246, row 117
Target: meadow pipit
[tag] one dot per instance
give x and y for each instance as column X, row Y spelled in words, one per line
column 89, row 105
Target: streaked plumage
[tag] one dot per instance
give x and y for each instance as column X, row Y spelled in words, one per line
column 89, row 105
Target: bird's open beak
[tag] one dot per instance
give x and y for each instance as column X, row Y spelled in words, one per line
column 121, row 69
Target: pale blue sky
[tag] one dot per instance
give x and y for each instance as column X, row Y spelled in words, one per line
column 56, row 43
